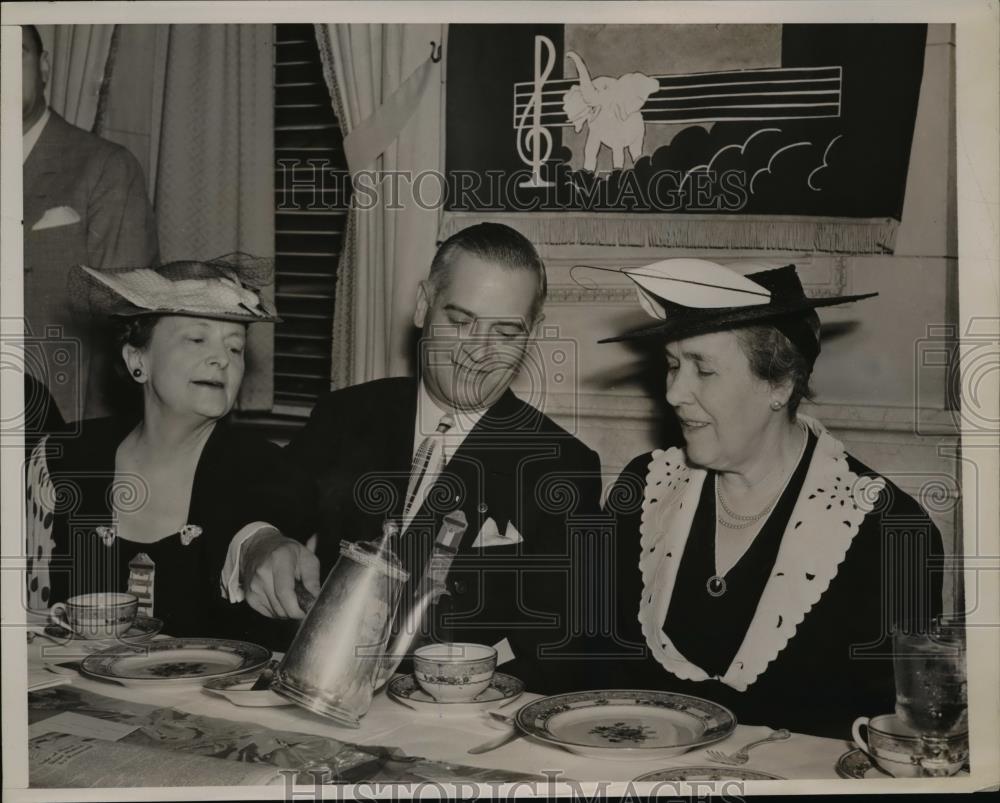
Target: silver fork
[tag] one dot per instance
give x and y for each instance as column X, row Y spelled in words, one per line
column 741, row 756
column 498, row 741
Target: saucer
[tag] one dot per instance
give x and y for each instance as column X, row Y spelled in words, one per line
column 503, row 689
column 142, row 629
column 858, row 764
column 238, row 689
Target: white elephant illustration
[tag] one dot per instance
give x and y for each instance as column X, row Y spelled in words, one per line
column 610, row 108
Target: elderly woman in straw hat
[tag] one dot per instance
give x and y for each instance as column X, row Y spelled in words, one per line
column 149, row 505
column 758, row 563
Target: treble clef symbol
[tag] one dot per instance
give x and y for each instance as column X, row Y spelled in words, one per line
column 533, row 135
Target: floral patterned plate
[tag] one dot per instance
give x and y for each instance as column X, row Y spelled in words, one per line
column 625, row 723
column 707, row 774
column 503, row 689
column 176, row 661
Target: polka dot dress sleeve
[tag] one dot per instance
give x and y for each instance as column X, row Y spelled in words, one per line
column 39, row 514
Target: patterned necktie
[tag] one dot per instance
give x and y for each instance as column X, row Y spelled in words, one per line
column 427, row 461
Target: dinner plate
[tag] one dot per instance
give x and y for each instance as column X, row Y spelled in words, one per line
column 707, row 774
column 175, row 661
column 626, row 723
column 143, row 629
column 503, row 689
column 238, row 689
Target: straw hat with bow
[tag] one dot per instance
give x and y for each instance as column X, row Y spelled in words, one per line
column 224, row 289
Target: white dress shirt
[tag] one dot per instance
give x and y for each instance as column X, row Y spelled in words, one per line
column 429, row 415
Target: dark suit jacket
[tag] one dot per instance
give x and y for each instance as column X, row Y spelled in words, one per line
column 516, row 466
column 103, row 184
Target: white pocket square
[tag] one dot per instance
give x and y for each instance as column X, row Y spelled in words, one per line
column 490, row 536
column 57, row 216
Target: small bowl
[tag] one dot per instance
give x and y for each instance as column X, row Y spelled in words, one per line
column 455, row 671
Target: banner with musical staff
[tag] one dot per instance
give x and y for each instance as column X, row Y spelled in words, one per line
column 708, row 136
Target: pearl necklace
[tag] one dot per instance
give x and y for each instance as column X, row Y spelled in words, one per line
column 716, row 584
column 739, row 521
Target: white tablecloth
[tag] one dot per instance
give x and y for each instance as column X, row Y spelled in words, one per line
column 447, row 738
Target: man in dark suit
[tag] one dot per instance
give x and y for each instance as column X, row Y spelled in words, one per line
column 84, row 202
column 457, row 438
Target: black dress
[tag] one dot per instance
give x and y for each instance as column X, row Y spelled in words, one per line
column 836, row 664
column 240, row 478
column 728, row 615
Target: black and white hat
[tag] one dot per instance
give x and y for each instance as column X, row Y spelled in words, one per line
column 691, row 297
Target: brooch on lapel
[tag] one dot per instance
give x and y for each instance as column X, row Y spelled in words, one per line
column 189, row 532
column 107, row 534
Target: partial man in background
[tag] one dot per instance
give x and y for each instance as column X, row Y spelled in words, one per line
column 85, row 202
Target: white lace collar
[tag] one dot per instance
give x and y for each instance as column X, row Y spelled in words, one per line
column 832, row 504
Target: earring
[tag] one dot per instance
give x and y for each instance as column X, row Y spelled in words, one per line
column 137, row 372
column 776, row 405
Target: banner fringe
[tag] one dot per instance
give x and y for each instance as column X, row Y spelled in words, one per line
column 831, row 235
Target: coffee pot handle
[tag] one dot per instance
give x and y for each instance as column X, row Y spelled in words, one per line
column 303, row 596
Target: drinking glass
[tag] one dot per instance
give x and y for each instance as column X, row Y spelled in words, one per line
column 929, row 669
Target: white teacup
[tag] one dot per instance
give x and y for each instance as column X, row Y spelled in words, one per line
column 900, row 750
column 454, row 672
column 105, row 614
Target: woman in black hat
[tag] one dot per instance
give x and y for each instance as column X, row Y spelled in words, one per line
column 758, row 564
column 150, row 504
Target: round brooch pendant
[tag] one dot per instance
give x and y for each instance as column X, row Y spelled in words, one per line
column 716, row 586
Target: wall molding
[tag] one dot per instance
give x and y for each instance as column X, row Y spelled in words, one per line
column 933, row 423
column 602, row 295
column 916, row 449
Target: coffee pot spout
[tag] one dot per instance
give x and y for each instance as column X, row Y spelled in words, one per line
column 435, row 573
column 404, row 637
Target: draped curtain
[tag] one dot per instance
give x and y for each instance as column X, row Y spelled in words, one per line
column 78, row 55
column 388, row 93
column 214, row 174
column 132, row 97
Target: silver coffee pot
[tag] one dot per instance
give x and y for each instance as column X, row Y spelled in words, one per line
column 340, row 655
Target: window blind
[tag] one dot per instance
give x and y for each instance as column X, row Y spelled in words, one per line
column 311, row 200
